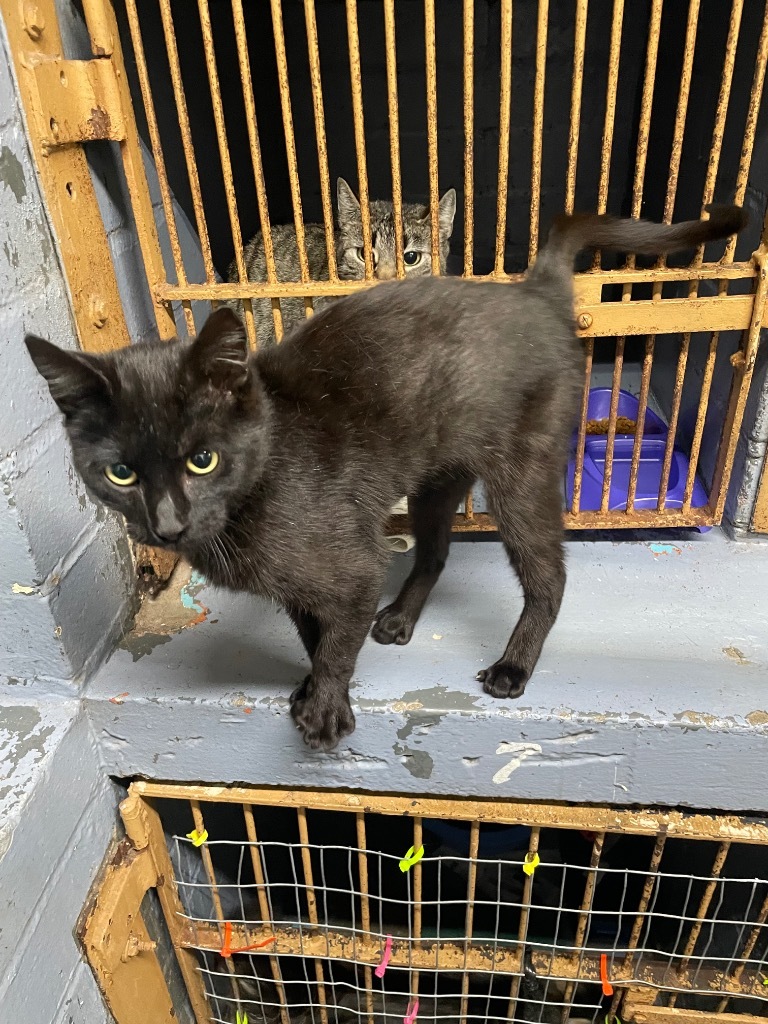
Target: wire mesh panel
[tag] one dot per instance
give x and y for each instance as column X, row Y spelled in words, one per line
column 307, row 150
column 335, row 907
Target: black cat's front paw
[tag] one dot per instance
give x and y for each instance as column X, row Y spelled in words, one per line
column 392, row 627
column 503, row 680
column 323, row 716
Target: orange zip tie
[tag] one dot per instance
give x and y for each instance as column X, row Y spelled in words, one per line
column 227, row 951
column 607, row 986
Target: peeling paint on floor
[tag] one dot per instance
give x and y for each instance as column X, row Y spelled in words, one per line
column 521, row 751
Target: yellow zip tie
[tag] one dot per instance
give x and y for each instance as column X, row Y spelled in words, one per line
column 241, row 1018
column 412, row 857
column 198, row 838
column 531, row 862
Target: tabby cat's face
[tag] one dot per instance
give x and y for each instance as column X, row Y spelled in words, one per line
column 168, row 434
column 417, row 240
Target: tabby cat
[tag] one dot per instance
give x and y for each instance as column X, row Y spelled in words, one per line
column 274, row 473
column 417, row 252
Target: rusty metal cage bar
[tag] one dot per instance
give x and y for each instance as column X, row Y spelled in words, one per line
column 256, row 161
column 469, row 132
column 306, row 861
column 186, row 138
column 356, row 81
column 322, row 145
column 226, row 162
column 430, row 30
column 158, row 156
column 505, row 115
column 538, row 126
column 390, row 43
column 261, row 890
column 290, row 147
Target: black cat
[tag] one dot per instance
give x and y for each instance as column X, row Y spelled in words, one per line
column 276, row 473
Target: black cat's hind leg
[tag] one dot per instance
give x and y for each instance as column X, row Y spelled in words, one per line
column 527, row 506
column 431, row 512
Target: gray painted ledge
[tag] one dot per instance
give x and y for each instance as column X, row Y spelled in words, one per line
column 652, row 689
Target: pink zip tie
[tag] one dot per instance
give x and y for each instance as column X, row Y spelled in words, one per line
column 379, row 972
column 411, row 1015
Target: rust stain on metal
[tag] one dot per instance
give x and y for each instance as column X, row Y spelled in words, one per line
column 100, row 123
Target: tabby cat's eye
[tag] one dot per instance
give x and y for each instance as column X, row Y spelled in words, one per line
column 120, row 474
column 203, row 462
column 411, row 258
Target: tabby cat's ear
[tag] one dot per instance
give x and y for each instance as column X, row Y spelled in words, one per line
column 346, row 201
column 219, row 354
column 74, row 379
column 447, row 211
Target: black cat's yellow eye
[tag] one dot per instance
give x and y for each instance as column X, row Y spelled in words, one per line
column 120, row 474
column 411, row 258
column 202, row 462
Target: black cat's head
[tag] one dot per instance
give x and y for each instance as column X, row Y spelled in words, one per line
column 172, row 435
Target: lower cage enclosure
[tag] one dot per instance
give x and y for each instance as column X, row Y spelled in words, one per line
column 262, row 905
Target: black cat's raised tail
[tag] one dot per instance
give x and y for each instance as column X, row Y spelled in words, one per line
column 572, row 233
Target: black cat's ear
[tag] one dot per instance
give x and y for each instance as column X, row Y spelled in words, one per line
column 73, row 378
column 219, row 354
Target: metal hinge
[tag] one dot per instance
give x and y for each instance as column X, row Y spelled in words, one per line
column 78, row 101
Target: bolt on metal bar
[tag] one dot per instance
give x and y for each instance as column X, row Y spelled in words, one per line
column 186, row 138
column 356, row 81
column 226, row 162
column 390, row 44
column 306, row 863
column 538, row 126
column 431, row 72
column 322, row 145
column 469, row 130
column 365, row 909
column 505, row 114
column 256, row 161
column 158, row 156
column 264, row 911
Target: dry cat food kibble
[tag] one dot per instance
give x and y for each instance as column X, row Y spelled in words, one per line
column 624, row 425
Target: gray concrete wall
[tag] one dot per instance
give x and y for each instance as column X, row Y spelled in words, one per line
column 65, row 579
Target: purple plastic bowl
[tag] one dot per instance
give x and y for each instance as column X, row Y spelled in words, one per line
column 651, row 462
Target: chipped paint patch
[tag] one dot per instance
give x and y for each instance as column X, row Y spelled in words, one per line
column 418, row 762
column 736, row 655
column 19, row 588
column 665, row 549
column 757, row 718
column 521, row 752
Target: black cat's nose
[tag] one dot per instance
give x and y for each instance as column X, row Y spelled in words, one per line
column 168, row 525
column 169, row 538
